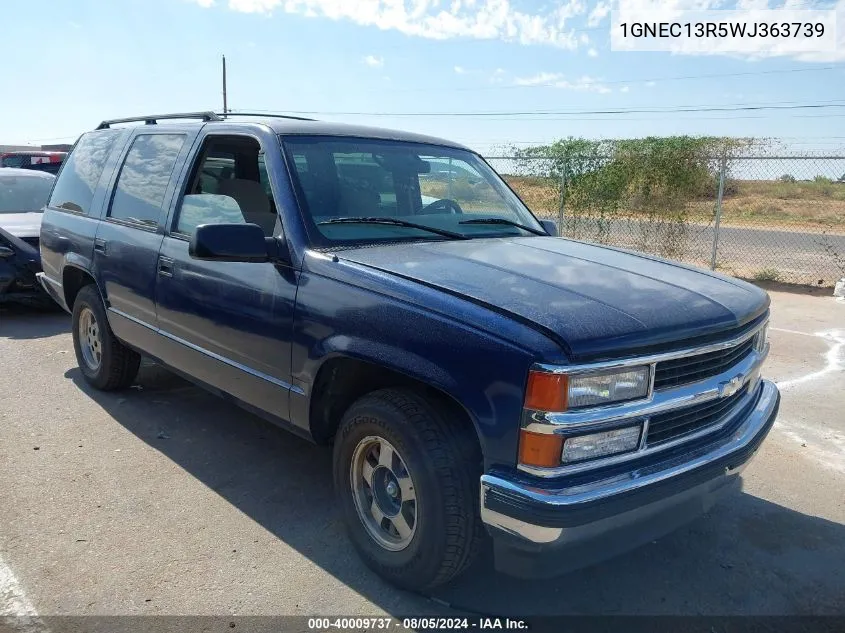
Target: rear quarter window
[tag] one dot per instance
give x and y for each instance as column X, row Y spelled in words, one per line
column 82, row 170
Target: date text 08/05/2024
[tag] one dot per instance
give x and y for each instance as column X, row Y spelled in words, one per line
column 417, row 623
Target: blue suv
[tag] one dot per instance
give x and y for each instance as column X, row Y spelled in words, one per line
column 481, row 380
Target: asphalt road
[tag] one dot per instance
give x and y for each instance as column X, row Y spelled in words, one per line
column 798, row 256
column 165, row 500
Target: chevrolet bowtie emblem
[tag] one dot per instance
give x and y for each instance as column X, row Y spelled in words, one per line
column 730, row 387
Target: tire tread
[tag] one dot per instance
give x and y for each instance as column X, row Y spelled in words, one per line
column 120, row 363
column 450, row 448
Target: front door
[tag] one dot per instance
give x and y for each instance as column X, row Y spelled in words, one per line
column 229, row 324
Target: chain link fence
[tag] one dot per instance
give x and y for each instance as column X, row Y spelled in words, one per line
column 764, row 218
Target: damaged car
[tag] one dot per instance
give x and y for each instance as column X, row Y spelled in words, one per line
column 23, row 194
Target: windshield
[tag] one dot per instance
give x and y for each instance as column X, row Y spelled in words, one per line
column 23, row 193
column 373, row 190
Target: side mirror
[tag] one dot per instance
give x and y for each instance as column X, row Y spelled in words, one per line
column 550, row 226
column 233, row 243
column 6, row 252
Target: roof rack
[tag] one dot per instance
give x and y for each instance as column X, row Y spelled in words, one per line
column 265, row 115
column 153, row 119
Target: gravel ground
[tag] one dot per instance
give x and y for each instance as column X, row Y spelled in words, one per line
column 165, row 500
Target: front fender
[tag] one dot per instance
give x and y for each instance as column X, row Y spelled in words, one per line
column 484, row 373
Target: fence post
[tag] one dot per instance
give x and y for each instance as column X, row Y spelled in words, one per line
column 562, row 200
column 722, row 169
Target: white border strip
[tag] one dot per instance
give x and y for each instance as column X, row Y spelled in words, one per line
column 834, row 358
column 17, row 610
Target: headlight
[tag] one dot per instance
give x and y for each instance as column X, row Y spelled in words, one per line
column 595, row 445
column 592, row 389
column 551, row 450
column 561, row 392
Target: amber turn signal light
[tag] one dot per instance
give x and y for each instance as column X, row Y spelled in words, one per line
column 546, row 392
column 539, row 449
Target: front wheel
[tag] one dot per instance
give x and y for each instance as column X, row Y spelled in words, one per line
column 406, row 477
column 106, row 363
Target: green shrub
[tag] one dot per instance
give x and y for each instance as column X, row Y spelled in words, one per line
column 767, row 274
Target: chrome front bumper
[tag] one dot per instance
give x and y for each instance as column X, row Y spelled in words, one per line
column 529, row 517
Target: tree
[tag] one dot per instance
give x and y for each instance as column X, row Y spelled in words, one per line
column 653, row 180
column 639, row 174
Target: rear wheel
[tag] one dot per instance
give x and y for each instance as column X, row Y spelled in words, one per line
column 106, row 363
column 406, row 475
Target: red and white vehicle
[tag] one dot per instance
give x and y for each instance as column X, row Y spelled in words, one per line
column 34, row 159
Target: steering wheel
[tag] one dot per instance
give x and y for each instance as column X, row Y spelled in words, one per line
column 444, row 205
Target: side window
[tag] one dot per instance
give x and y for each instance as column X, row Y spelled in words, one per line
column 144, row 177
column 207, row 208
column 74, row 189
column 14, row 161
column 229, row 185
column 217, row 167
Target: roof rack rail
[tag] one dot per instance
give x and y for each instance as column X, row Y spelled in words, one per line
column 153, row 119
column 265, row 115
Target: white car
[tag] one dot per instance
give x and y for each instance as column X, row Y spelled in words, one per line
column 23, row 194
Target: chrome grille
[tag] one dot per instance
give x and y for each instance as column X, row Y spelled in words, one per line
column 665, row 427
column 683, row 371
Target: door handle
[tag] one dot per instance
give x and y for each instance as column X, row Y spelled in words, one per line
column 100, row 245
column 165, row 266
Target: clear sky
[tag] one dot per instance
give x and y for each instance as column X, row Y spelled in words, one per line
column 70, row 63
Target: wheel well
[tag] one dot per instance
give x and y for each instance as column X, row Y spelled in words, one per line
column 341, row 381
column 73, row 280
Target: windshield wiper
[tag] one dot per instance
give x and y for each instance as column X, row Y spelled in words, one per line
column 395, row 222
column 505, row 222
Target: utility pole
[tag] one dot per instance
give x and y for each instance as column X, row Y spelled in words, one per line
column 225, row 103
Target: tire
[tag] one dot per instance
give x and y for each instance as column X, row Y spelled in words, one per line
column 442, row 460
column 110, row 365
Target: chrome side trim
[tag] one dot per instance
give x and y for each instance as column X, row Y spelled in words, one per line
column 210, row 354
column 653, row 358
column 54, row 289
column 45, row 278
column 644, row 435
column 568, row 498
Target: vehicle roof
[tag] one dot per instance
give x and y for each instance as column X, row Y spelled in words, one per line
column 305, row 127
column 327, row 128
column 32, row 173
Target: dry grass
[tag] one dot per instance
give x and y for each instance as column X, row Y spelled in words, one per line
column 747, row 202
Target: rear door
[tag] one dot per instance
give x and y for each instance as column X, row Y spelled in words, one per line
column 128, row 239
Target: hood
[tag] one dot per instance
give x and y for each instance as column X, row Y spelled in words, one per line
column 595, row 302
column 21, row 224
